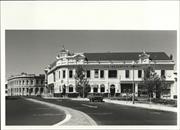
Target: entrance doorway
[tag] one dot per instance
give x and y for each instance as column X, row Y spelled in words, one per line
column 112, row 90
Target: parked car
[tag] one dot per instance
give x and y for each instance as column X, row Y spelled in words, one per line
column 95, row 97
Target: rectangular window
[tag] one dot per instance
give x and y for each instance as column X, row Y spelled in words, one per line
column 127, row 73
column 37, row 81
column 70, row 73
column 96, row 73
column 42, row 82
column 112, row 74
column 88, row 74
column 139, row 73
column 102, row 73
column 162, row 72
column 64, row 74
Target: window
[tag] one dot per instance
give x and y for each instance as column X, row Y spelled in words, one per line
column 95, row 89
column 112, row 74
column 70, row 73
column 102, row 73
column 88, row 74
column 162, row 72
column 31, row 82
column 127, row 73
column 96, row 73
column 27, row 82
column 139, row 73
column 59, row 74
column 64, row 74
column 42, row 81
column 37, row 81
column 70, row 88
column 102, row 88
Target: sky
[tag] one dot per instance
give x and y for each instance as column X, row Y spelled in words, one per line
column 31, row 51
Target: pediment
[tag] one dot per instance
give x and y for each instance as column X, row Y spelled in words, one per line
column 79, row 56
column 144, row 57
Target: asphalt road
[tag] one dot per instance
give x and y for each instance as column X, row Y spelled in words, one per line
column 22, row 112
column 115, row 114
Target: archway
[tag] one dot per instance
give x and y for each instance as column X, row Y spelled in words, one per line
column 102, row 88
column 112, row 90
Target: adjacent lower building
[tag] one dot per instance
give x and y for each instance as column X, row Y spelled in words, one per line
column 25, row 85
column 111, row 74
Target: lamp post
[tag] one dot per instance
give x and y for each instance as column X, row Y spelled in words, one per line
column 133, row 96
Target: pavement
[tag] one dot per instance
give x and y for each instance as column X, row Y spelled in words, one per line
column 19, row 111
column 140, row 105
column 73, row 117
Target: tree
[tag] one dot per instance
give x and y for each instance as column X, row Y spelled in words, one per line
column 153, row 82
column 82, row 84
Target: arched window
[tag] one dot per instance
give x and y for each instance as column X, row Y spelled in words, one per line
column 31, row 82
column 27, row 82
column 102, row 88
column 70, row 88
column 95, row 88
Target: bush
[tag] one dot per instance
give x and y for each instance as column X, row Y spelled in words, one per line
column 57, row 94
column 165, row 101
column 73, row 95
column 124, row 98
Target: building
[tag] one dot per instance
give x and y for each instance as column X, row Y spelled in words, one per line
column 111, row 74
column 26, row 84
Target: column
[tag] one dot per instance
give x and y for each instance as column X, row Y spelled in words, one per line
column 136, row 89
column 99, row 89
column 119, row 87
column 91, row 89
column 34, row 91
column 39, row 91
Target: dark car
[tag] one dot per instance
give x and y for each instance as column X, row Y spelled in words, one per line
column 95, row 97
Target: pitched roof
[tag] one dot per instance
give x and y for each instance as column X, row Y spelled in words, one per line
column 124, row 56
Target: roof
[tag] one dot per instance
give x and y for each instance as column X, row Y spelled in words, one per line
column 124, row 56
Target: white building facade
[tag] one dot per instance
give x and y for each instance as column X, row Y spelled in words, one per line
column 25, row 85
column 111, row 74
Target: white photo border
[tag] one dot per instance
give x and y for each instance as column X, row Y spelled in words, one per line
column 86, row 15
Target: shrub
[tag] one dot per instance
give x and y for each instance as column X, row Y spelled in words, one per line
column 164, row 101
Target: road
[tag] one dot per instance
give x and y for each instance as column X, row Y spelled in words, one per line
column 115, row 114
column 22, row 112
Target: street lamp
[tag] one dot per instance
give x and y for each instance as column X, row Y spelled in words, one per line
column 133, row 96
